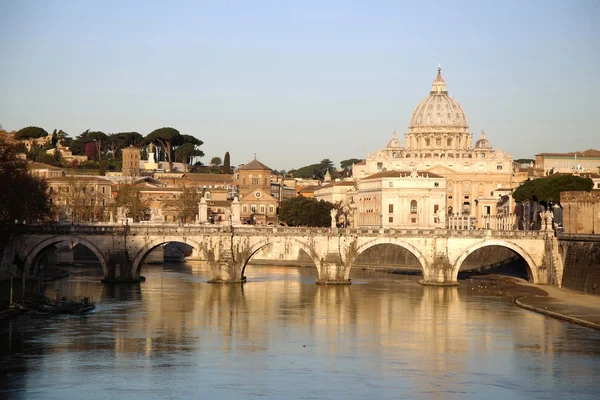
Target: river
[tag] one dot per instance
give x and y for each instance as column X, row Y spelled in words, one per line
column 176, row 336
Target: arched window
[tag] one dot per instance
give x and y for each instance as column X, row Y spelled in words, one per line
column 413, row 207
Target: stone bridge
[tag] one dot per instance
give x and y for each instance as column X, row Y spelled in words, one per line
column 121, row 249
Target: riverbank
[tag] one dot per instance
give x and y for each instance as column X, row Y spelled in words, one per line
column 579, row 308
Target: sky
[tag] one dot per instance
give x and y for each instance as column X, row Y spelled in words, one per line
column 295, row 82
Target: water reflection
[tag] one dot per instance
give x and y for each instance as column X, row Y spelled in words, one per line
column 280, row 334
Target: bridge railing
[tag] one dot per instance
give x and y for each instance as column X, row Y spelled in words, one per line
column 249, row 230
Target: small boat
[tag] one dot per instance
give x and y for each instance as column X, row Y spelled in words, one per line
column 61, row 306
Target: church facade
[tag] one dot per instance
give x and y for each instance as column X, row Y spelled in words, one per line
column 438, row 142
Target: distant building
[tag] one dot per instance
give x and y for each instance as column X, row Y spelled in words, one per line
column 67, row 154
column 45, row 170
column 579, row 161
column 131, row 161
column 253, row 181
column 438, row 142
column 401, row 199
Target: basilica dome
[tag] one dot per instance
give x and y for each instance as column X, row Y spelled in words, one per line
column 483, row 143
column 438, row 109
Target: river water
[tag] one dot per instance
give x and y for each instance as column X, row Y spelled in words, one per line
column 281, row 336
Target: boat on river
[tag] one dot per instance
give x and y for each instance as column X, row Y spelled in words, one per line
column 60, row 306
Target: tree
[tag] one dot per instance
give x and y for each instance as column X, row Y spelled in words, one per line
column 215, row 161
column 166, row 138
column 347, row 165
column 79, row 145
column 129, row 197
column 305, row 211
column 22, row 196
column 226, row 164
column 186, row 205
column 544, row 190
column 307, row 172
column 30, row 133
column 118, row 141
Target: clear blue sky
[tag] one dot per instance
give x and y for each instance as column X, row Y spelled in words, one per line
column 299, row 81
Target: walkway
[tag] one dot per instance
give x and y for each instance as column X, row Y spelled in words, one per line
column 579, row 308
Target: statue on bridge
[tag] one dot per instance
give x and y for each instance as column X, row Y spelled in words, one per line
column 333, row 213
column 156, row 215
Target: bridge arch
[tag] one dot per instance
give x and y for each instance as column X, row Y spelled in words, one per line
column 141, row 254
column 532, row 268
column 270, row 241
column 32, row 258
column 393, row 241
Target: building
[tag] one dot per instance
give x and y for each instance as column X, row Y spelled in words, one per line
column 67, row 154
column 581, row 212
column 81, row 198
column 258, row 205
column 334, row 191
column 44, row 170
column 568, row 163
column 438, row 142
column 400, row 199
column 131, row 161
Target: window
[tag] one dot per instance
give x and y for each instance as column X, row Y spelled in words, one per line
column 103, row 202
column 391, row 219
column 271, row 209
column 103, row 190
column 245, row 209
column 449, row 142
column 266, row 180
column 255, row 180
column 253, row 208
column 436, row 184
column 413, row 220
column 379, row 165
column 391, row 208
column 262, row 209
column 427, row 142
column 391, row 184
column 413, row 207
column 438, row 142
column 243, row 180
column 436, row 208
column 499, row 166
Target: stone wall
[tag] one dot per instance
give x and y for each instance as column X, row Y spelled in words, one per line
column 581, row 212
column 581, row 260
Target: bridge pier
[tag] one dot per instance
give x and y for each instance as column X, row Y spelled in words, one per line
column 119, row 269
column 332, row 271
column 226, row 269
column 439, row 273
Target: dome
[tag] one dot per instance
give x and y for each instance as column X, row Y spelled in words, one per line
column 483, row 143
column 394, row 143
column 438, row 109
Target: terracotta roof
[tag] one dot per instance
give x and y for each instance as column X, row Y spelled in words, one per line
column 586, row 153
column 219, row 203
column 37, row 165
column 206, row 177
column 308, row 189
column 79, row 178
column 255, row 165
column 332, row 184
column 402, row 174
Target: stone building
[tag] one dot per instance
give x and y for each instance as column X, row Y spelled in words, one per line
column 574, row 162
column 258, row 205
column 438, row 141
column 581, row 212
column 81, row 198
column 400, row 199
column 334, row 191
column 131, row 159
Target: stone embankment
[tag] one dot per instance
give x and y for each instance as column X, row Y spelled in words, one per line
column 581, row 261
